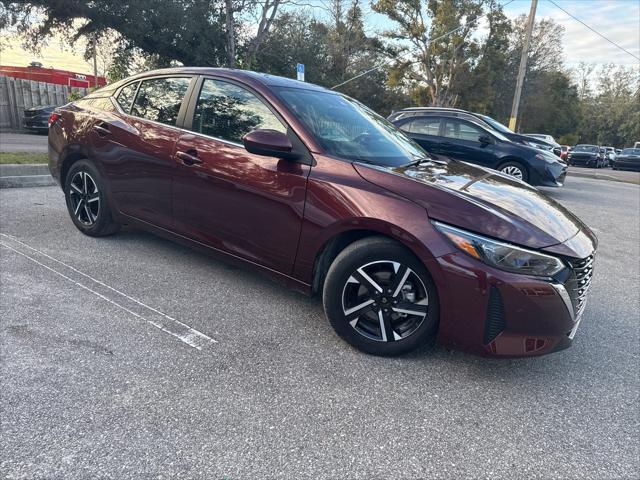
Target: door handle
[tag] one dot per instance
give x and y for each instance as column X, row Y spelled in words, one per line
column 189, row 159
column 102, row 129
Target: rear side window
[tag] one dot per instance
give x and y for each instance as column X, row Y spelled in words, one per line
column 160, row 99
column 462, row 131
column 125, row 97
column 229, row 112
column 422, row 126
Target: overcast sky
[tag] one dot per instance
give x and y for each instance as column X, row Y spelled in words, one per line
column 619, row 20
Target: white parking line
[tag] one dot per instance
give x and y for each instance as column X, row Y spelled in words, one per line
column 183, row 332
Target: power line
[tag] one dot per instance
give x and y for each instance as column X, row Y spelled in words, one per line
column 595, row 31
column 380, row 65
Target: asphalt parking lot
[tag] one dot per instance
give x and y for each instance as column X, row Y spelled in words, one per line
column 133, row 357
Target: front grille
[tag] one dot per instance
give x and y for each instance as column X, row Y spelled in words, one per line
column 579, row 282
column 32, row 113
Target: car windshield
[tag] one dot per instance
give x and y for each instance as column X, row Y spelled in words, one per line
column 586, row 148
column 496, row 125
column 347, row 129
column 631, row 151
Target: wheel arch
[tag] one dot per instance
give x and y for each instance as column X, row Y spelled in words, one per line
column 71, row 156
column 337, row 242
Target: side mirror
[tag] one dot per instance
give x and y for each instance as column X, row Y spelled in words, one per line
column 269, row 143
column 486, row 139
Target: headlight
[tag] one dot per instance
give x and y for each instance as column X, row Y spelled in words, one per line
column 502, row 255
column 549, row 158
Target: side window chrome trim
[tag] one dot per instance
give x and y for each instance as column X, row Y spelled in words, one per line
column 122, row 112
column 114, row 97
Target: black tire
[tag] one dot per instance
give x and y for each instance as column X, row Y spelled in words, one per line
column 414, row 326
column 86, row 199
column 510, row 166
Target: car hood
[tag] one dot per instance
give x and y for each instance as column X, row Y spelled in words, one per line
column 483, row 201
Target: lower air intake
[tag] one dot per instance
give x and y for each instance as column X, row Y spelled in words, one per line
column 495, row 322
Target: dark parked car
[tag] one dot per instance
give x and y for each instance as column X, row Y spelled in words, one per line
column 320, row 193
column 588, row 156
column 36, row 118
column 470, row 141
column 628, row 159
column 484, row 120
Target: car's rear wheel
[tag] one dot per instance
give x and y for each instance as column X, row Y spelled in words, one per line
column 87, row 201
column 515, row 169
column 380, row 298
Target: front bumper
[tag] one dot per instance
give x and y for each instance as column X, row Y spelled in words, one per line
column 552, row 175
column 505, row 314
column 584, row 161
column 627, row 163
column 39, row 123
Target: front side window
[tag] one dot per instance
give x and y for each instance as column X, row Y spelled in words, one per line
column 462, row 131
column 348, row 130
column 159, row 99
column 229, row 112
column 422, row 126
column 125, row 97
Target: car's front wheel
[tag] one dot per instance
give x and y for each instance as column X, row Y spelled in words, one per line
column 515, row 169
column 380, row 298
column 87, row 201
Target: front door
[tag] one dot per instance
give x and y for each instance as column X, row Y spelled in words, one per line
column 425, row 131
column 461, row 140
column 245, row 204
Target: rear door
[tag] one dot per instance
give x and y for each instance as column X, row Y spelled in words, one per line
column 461, row 140
column 138, row 156
column 245, row 204
column 425, row 131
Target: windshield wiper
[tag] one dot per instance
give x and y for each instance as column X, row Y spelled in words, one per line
column 419, row 161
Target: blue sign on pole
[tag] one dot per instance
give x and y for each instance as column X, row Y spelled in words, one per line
column 300, row 71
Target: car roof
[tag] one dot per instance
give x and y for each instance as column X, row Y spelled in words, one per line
column 246, row 76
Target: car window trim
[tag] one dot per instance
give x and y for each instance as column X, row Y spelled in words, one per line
column 188, row 123
column 183, row 104
column 306, row 158
column 484, row 131
column 418, row 117
column 119, row 91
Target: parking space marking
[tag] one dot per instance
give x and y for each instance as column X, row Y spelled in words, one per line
column 192, row 337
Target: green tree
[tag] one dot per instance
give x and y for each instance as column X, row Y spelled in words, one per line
column 431, row 66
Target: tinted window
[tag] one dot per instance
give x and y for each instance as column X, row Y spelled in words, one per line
column 125, row 97
column 461, row 131
column 160, row 99
column 229, row 112
column 347, row 129
column 423, row 126
column 631, row 151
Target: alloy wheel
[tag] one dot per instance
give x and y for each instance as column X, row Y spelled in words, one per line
column 85, row 198
column 513, row 171
column 385, row 301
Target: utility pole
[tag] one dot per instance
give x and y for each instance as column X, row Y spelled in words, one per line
column 523, row 66
column 95, row 60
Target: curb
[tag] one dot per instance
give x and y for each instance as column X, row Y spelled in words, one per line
column 21, row 169
column 23, row 181
column 600, row 176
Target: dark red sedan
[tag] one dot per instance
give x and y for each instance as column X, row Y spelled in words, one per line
column 322, row 194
